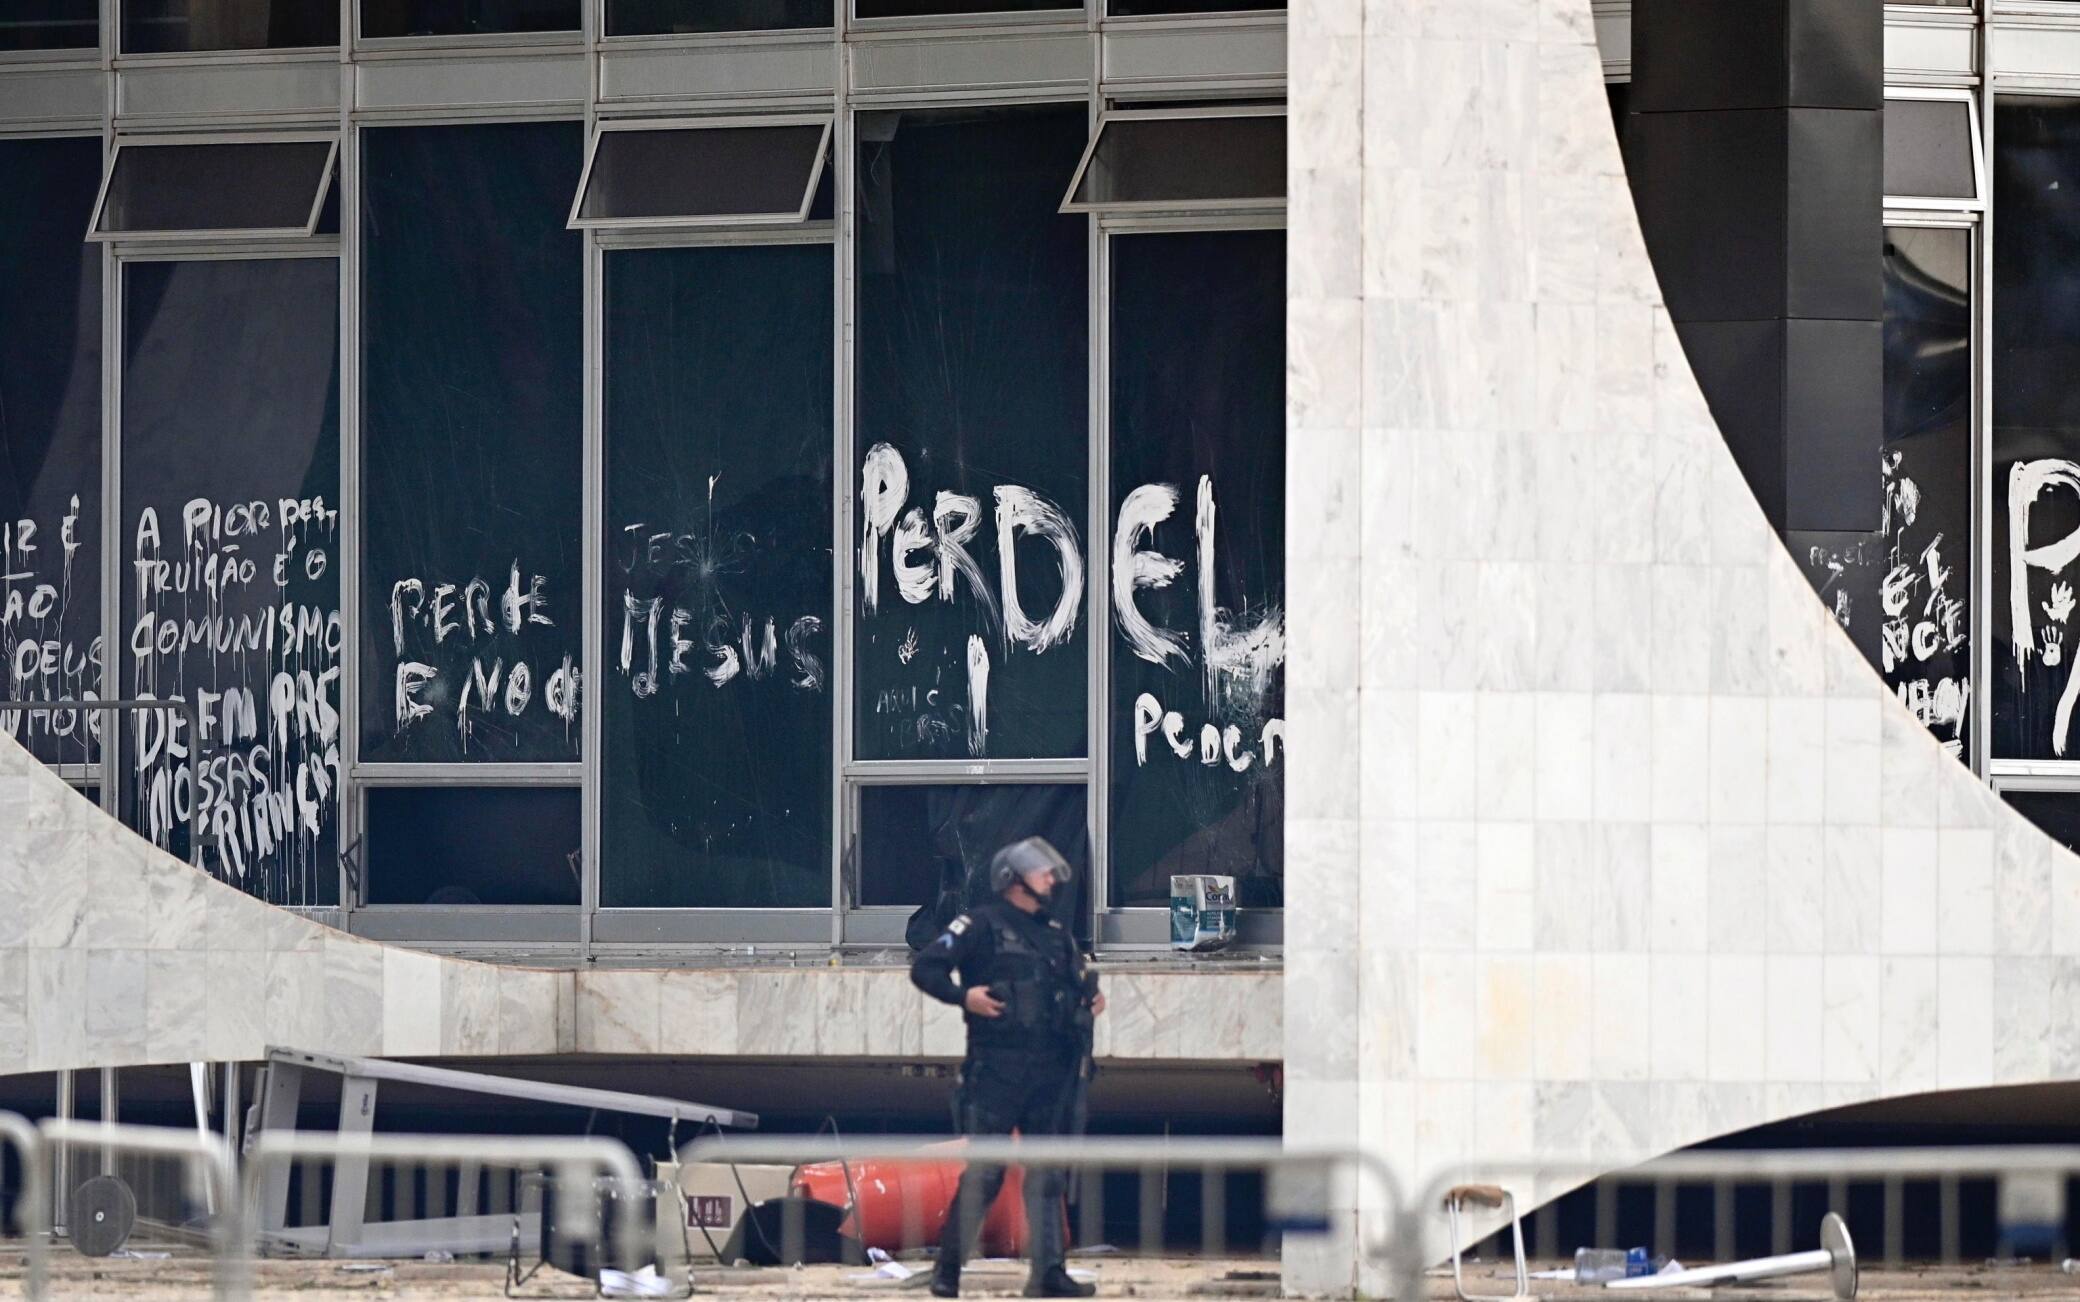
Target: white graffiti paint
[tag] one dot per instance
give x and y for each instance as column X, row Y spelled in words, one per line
column 1135, row 570
column 978, row 697
column 1022, row 511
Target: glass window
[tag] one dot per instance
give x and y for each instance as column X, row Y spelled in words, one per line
column 1195, row 159
column 51, row 25
column 702, row 175
column 180, row 26
column 381, row 18
column 1931, row 149
column 1137, row 8
column 1198, row 563
column 472, row 424
column 686, row 17
column 50, row 442
column 247, row 188
column 933, row 8
column 473, row 845
column 230, row 581
column 971, row 486
column 917, row 841
column 1903, row 593
column 2036, row 426
column 717, row 784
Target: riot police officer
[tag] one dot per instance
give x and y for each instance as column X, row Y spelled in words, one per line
column 1028, row 1001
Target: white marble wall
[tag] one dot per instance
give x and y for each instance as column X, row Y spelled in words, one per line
column 113, row 953
column 1603, row 838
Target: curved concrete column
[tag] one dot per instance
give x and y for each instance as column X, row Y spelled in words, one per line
column 1602, row 837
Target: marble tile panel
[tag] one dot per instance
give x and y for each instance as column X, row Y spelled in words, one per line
column 293, row 1015
column 1907, row 1050
column 1621, row 887
column 353, row 996
column 1851, row 754
column 1566, row 743
column 1564, row 882
column 176, row 1006
column 698, row 1012
column 1738, row 890
column 1624, row 1016
column 943, row 1034
column 54, row 983
column 1740, row 658
column 621, row 1010
column 776, row 1013
column 1679, row 916
column 1625, row 499
column 411, row 1021
column 1852, row 890
column 1738, row 1021
column 2022, row 896
column 1740, row 758
column 1505, row 781
column 529, row 1003
column 1682, row 629
column 115, row 1011
column 1623, row 763
column 1964, row 891
column 1964, row 1022
column 2022, row 1000
column 179, row 911
column 470, row 1010
column 1794, row 1004
column 1447, row 876
column 1506, row 894
column 841, row 1026
column 1908, row 922
column 1563, row 1031
column 1446, row 737
column 1678, row 1025
column 1567, row 632
column 1797, row 751
column 238, row 986
column 1794, row 919
column 2063, row 1039
column 14, row 997
column 1680, row 769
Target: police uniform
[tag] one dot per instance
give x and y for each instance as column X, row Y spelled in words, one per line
column 1025, row 1068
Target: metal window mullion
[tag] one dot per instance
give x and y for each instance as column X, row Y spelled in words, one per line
column 844, row 807
column 1981, row 298
column 352, row 816
column 111, row 511
column 1098, row 792
column 592, row 512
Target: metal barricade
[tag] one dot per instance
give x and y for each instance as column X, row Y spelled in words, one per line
column 1302, row 1184
column 576, row 1161
column 206, row 1158
column 1723, row 1175
column 33, row 1199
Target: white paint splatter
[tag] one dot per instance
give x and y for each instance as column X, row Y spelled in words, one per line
column 1020, row 510
column 978, row 697
column 1239, row 667
column 884, row 484
column 1134, row 569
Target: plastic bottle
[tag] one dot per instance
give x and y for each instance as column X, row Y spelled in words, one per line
column 1601, row 1265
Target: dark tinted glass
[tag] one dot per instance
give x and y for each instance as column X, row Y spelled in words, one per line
column 1928, row 149
column 929, row 8
column 716, row 172
column 50, row 441
column 472, row 420
column 1187, row 160
column 472, row 845
column 915, row 842
column 230, row 576
column 2057, row 812
column 50, row 25
column 2036, row 425
column 1198, row 510
column 972, row 443
column 176, row 26
column 1903, row 593
column 466, row 17
column 717, row 787
column 1135, row 8
column 247, row 187
column 670, row 17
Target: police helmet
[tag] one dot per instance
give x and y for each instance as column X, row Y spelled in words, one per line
column 1034, row 854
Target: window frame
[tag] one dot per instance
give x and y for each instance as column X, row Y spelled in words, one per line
column 1981, row 178
column 602, row 130
column 328, row 178
column 1209, row 206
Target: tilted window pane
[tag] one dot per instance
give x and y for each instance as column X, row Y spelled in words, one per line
column 1928, row 149
column 381, row 18
column 179, row 26
column 971, row 452
column 686, row 17
column 472, row 420
column 1904, row 592
column 918, row 844
column 271, row 186
column 2036, row 426
column 1195, row 161
column 460, row 846
column 1198, row 563
column 50, row 443
column 230, row 574
column 714, row 173
column 50, row 25
column 717, row 784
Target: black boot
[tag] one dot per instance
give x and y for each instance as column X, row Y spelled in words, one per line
column 1055, row 1281
column 946, row 1277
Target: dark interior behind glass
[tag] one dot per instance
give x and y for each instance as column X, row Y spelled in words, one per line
column 389, row 18
column 472, row 845
column 182, row 26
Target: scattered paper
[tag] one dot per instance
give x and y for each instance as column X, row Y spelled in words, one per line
column 888, row 1268
column 133, row 1254
column 642, row 1283
column 1566, row 1272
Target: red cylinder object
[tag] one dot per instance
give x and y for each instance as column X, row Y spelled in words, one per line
column 927, row 1186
